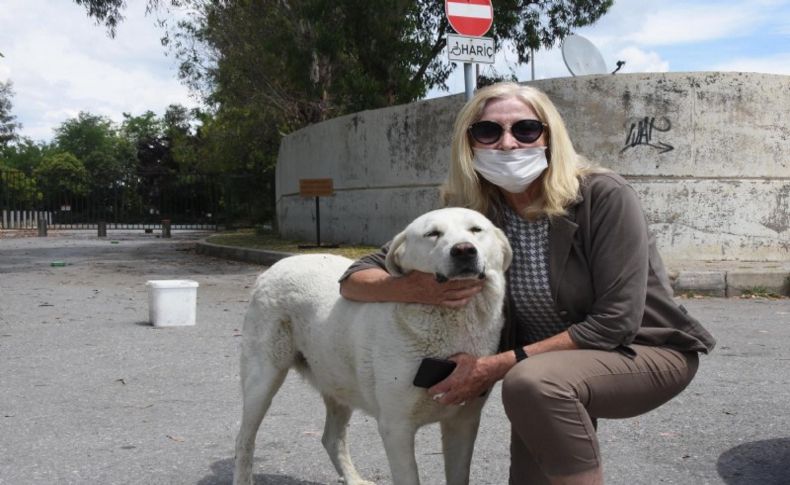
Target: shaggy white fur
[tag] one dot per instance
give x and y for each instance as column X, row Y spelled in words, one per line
column 365, row 355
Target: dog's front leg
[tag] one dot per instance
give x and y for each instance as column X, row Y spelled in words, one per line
column 398, row 436
column 334, row 441
column 458, row 442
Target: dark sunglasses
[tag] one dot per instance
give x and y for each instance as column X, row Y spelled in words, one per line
column 488, row 132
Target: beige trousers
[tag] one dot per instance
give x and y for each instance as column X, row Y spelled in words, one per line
column 553, row 399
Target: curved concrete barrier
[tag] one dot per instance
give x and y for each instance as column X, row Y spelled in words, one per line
column 708, row 152
column 264, row 257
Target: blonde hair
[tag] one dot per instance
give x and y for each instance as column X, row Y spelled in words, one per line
column 559, row 183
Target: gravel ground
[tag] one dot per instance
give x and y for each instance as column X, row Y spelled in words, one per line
column 90, row 393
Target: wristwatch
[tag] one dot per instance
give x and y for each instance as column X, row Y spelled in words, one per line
column 521, row 354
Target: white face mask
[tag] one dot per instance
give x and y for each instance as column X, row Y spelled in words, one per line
column 512, row 170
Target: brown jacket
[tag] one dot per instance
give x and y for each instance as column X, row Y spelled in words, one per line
column 606, row 275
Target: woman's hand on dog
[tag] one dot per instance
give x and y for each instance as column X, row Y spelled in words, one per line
column 375, row 284
column 424, row 288
column 471, row 377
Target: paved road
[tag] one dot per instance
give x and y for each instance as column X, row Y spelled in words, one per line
column 90, row 393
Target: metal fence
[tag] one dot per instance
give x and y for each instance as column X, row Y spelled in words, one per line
column 189, row 201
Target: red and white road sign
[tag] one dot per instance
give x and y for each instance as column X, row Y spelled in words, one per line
column 469, row 17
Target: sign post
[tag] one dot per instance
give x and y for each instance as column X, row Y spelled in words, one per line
column 316, row 188
column 471, row 18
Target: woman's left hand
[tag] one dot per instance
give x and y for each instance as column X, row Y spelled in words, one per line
column 471, row 377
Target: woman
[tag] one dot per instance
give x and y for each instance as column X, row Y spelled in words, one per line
column 591, row 328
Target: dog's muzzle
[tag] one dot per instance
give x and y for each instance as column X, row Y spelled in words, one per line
column 464, row 263
column 464, row 252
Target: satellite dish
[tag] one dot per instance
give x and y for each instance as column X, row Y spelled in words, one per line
column 582, row 57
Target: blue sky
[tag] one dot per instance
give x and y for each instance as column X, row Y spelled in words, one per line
column 61, row 63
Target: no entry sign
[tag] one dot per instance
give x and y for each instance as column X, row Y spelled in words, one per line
column 469, row 17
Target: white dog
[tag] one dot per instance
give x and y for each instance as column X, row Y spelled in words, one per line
column 365, row 355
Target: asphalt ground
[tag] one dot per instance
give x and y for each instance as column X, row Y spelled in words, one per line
column 91, row 393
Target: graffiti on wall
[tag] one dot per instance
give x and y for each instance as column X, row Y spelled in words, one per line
column 642, row 132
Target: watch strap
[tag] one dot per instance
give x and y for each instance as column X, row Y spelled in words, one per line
column 521, row 354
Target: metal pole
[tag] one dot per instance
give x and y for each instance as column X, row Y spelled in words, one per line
column 166, row 225
column 317, row 224
column 532, row 62
column 469, row 80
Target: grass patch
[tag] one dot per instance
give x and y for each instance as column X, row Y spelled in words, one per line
column 251, row 239
column 690, row 295
column 759, row 292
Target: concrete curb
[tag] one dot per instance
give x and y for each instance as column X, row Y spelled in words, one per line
column 755, row 278
column 727, row 279
column 708, row 283
column 247, row 255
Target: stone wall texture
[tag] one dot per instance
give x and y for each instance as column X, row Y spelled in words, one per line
column 708, row 152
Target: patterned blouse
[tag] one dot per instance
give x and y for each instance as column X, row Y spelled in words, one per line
column 528, row 277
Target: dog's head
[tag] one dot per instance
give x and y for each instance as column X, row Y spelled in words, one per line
column 451, row 243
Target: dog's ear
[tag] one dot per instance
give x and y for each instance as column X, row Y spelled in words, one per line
column 507, row 252
column 392, row 261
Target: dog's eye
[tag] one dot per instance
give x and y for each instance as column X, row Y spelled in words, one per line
column 433, row 233
column 475, row 229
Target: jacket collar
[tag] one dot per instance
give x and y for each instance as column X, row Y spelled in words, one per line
column 561, row 233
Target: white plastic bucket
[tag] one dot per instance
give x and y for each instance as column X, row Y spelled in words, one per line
column 172, row 303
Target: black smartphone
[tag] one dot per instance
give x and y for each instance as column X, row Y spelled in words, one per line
column 432, row 371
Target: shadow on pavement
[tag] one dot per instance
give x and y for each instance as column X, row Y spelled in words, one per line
column 765, row 462
column 222, row 474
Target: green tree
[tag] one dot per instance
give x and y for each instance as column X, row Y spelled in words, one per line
column 156, row 138
column 110, row 12
column 236, row 141
column 62, row 177
column 8, row 125
column 180, row 128
column 313, row 59
column 17, row 158
column 85, row 134
column 17, row 190
column 96, row 143
column 177, row 120
column 146, row 133
column 24, row 155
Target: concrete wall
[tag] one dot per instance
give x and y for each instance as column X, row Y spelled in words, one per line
column 709, row 154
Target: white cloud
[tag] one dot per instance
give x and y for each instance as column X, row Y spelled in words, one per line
column 682, row 24
column 638, row 60
column 43, row 126
column 677, row 22
column 775, row 64
column 61, row 63
column 548, row 64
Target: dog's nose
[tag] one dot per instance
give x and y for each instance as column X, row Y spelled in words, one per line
column 463, row 251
